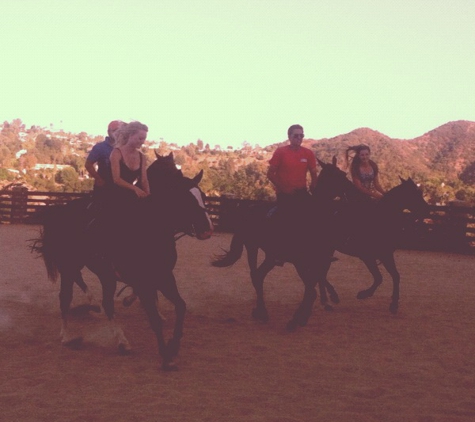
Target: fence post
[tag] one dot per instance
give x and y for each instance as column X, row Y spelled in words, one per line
column 457, row 225
column 19, row 204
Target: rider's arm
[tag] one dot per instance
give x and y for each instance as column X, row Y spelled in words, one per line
column 115, row 168
column 377, row 185
column 361, row 188
column 273, row 177
column 90, row 166
column 314, row 178
column 143, row 176
column 91, row 169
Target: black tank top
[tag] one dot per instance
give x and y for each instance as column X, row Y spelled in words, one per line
column 130, row 176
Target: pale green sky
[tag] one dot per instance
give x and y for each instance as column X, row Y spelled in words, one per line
column 228, row 71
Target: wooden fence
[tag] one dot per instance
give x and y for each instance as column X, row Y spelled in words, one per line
column 448, row 228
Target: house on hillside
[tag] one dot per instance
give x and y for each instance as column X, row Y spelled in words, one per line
column 50, row 166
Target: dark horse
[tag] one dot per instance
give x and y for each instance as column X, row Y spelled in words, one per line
column 140, row 248
column 299, row 235
column 370, row 231
column 354, row 226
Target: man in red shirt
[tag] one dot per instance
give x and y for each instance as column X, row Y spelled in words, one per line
column 289, row 166
column 288, row 169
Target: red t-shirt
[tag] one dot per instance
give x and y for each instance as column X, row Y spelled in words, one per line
column 292, row 166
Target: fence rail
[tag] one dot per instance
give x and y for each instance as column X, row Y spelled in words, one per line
column 447, row 228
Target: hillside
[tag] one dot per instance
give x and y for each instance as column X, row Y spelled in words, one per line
column 443, row 160
column 446, row 153
column 450, row 150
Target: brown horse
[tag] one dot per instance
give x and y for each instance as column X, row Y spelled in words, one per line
column 298, row 235
column 142, row 251
column 370, row 230
column 353, row 225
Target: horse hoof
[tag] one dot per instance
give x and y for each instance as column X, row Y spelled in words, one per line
column 173, row 347
column 292, row 326
column 363, row 295
column 169, row 367
column 260, row 315
column 393, row 307
column 124, row 349
column 74, row 344
column 328, row 308
column 81, row 310
column 95, row 308
column 335, row 299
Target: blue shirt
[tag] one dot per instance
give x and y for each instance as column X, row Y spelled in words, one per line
column 100, row 154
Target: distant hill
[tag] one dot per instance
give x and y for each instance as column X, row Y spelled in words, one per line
column 447, row 152
column 450, row 150
column 442, row 160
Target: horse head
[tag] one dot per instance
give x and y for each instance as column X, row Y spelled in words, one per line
column 331, row 182
column 408, row 196
column 166, row 162
column 162, row 171
column 183, row 196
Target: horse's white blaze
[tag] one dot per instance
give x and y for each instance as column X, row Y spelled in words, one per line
column 197, row 194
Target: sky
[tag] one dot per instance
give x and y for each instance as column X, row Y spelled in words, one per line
column 235, row 71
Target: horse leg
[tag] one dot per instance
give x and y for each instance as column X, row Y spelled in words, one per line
column 257, row 276
column 329, row 287
column 332, row 292
column 377, row 278
column 90, row 298
column 65, row 299
column 324, row 286
column 109, row 284
column 147, row 300
column 170, row 291
column 132, row 297
column 303, row 312
column 390, row 265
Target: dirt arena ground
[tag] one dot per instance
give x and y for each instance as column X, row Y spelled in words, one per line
column 358, row 363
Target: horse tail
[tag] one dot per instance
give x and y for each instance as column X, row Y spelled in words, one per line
column 42, row 247
column 230, row 257
column 48, row 258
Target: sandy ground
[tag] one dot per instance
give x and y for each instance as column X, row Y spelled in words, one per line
column 358, row 363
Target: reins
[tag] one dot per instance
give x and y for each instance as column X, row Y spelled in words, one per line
column 179, row 236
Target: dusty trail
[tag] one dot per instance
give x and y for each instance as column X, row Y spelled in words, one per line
column 358, row 363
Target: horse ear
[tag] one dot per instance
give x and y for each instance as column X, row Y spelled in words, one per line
column 334, row 160
column 157, row 154
column 320, row 162
column 401, row 179
column 198, row 177
column 170, row 155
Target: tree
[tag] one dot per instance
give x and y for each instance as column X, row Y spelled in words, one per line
column 29, row 160
column 6, row 175
column 5, row 157
column 230, row 167
column 67, row 177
